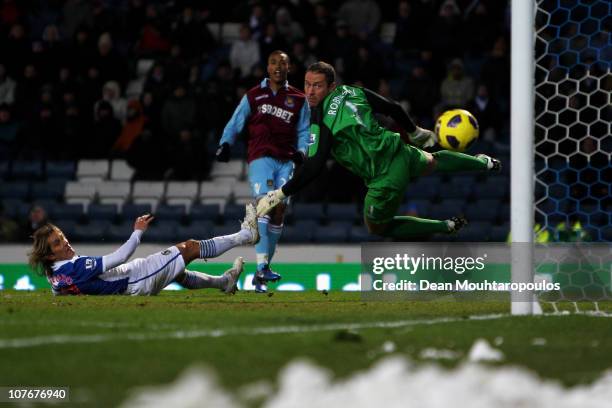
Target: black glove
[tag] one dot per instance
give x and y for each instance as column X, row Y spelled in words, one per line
column 298, row 157
column 223, row 153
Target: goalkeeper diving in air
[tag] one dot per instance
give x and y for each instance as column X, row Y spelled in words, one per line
column 342, row 124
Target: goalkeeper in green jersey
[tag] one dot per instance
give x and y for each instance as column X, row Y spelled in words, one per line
column 342, row 124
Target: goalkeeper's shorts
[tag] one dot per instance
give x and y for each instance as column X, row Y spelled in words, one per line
column 386, row 192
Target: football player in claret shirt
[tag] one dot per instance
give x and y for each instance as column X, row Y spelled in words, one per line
column 276, row 117
column 70, row 274
column 343, row 126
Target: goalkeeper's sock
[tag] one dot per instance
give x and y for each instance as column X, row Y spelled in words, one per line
column 199, row 280
column 447, row 161
column 274, row 233
column 261, row 248
column 406, row 226
column 211, row 248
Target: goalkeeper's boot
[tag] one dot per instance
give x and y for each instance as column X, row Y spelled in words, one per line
column 250, row 223
column 492, row 163
column 232, row 275
column 455, row 224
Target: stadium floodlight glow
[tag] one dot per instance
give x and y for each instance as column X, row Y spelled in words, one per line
column 522, row 148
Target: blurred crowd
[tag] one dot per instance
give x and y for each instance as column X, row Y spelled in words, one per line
column 69, row 70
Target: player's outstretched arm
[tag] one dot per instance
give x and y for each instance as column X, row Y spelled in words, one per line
column 232, row 129
column 126, row 250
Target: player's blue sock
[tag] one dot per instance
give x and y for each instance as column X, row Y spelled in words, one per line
column 274, row 233
column 261, row 248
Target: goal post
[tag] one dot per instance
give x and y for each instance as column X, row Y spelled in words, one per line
column 522, row 149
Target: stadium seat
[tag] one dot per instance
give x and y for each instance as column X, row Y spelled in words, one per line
column 148, row 192
column 233, row 168
column 220, row 230
column 27, row 170
column 102, row 212
column 304, row 212
column 331, row 233
column 301, row 231
column 78, row 192
column 162, row 231
column 230, row 32
column 16, row 190
column 121, row 232
column 92, row 170
column 204, row 212
column 121, row 171
column 215, row 193
column 242, row 193
column 420, row 206
column 60, row 170
column 198, row 230
column 423, row 188
column 182, row 193
column 482, row 210
column 67, row 226
column 94, row 231
column 4, row 169
column 499, row 233
column 342, row 212
column 455, row 190
column 51, row 189
column 233, row 213
column 73, row 212
column 491, row 190
column 114, row 192
column 359, row 233
column 446, row 209
column 11, row 206
column 477, row 231
column 166, row 212
column 130, row 211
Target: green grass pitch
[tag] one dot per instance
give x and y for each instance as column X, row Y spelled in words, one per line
column 101, row 347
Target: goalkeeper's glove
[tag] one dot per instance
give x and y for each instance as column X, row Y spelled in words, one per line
column 223, row 153
column 423, row 138
column 269, row 201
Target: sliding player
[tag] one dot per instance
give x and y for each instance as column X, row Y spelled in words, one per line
column 70, row 274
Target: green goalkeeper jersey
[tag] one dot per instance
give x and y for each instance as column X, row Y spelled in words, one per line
column 359, row 143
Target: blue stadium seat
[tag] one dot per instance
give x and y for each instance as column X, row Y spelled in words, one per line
column 63, row 170
column 12, row 206
column 299, row 233
column 4, row 169
column 94, row 231
column 51, row 189
column 67, row 226
column 121, row 232
column 202, row 212
column 102, row 212
column 455, row 190
column 499, row 233
column 421, row 207
column 491, row 189
column 331, row 233
column 162, row 231
column 342, row 212
column 233, row 213
column 424, row 188
column 170, row 212
column 477, row 231
column 227, row 229
column 72, row 212
column 197, row 230
column 303, row 212
column 483, row 210
column 446, row 209
column 17, row 190
column 130, row 211
column 27, row 170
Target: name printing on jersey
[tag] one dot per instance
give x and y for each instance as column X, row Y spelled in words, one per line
column 276, row 111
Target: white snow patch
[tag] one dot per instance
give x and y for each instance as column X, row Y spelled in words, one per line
column 431, row 353
column 538, row 341
column 482, row 351
column 389, row 347
column 392, row 382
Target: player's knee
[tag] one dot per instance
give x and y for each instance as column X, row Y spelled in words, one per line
column 189, row 249
column 278, row 214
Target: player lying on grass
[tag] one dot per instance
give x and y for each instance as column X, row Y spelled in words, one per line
column 70, row 274
column 342, row 124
